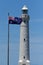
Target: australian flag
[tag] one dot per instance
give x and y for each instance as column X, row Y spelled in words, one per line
column 15, row 20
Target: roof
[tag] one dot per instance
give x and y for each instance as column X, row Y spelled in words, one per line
column 24, row 7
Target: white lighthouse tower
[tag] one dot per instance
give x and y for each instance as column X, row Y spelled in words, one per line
column 24, row 57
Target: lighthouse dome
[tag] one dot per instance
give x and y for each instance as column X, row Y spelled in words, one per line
column 24, row 7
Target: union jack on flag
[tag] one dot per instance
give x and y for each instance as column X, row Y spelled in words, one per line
column 15, row 20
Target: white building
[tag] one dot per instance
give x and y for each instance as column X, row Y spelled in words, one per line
column 24, row 55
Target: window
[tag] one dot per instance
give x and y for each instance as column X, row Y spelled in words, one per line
column 24, row 39
column 24, row 21
column 24, row 57
column 24, row 11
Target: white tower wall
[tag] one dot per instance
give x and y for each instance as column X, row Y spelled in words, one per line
column 24, row 58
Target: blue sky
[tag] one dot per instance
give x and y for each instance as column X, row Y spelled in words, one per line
column 35, row 8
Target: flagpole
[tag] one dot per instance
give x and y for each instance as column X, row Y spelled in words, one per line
column 8, row 43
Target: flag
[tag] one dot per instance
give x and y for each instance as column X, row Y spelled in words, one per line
column 15, row 20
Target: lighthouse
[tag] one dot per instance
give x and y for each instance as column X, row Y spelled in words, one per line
column 24, row 55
